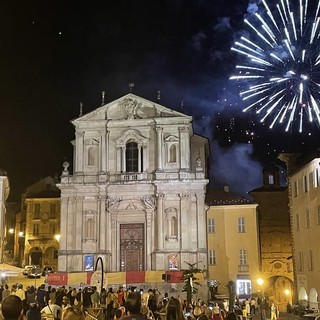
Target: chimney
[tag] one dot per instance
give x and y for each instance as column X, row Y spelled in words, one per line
column 226, row 188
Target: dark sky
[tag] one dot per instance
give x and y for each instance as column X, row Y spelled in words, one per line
column 54, row 54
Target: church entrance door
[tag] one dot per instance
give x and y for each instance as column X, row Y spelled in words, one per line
column 131, row 247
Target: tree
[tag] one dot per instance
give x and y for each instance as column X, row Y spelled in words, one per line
column 232, row 294
column 190, row 281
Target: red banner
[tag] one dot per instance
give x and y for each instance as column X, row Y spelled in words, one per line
column 135, row 277
column 58, row 279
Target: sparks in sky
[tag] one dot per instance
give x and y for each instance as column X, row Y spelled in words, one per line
column 279, row 76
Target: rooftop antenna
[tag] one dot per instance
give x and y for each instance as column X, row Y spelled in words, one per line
column 158, row 98
column 103, row 94
column 131, row 86
column 80, row 111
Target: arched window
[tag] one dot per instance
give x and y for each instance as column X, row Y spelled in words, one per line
column 132, row 157
column 173, row 227
column 91, row 156
column 173, row 153
column 90, row 229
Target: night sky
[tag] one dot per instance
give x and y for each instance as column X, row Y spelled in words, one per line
column 56, row 54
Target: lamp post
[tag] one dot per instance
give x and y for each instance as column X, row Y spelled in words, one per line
column 21, row 248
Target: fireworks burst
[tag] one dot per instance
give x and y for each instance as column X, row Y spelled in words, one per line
column 280, row 76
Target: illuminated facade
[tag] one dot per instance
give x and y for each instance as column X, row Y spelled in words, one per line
column 4, row 193
column 233, row 246
column 41, row 203
column 304, row 204
column 275, row 238
column 136, row 195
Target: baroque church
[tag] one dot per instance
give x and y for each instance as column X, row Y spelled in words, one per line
column 136, row 196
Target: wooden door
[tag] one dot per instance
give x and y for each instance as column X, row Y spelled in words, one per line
column 131, row 247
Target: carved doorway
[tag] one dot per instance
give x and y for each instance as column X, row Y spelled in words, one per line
column 131, row 247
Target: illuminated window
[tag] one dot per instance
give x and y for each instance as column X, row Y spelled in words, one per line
column 131, row 157
column 241, row 225
column 243, row 257
column 35, row 229
column 211, row 226
column 173, row 153
column 243, row 287
column 212, row 257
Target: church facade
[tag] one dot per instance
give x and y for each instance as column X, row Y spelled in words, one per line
column 136, row 196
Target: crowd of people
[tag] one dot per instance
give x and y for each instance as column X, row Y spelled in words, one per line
column 116, row 304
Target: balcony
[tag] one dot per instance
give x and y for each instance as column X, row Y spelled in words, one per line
column 243, row 268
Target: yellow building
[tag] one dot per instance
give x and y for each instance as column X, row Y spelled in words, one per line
column 42, row 225
column 233, row 247
column 275, row 238
column 304, row 201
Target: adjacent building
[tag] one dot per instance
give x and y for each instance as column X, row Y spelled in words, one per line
column 304, row 204
column 276, row 270
column 4, row 194
column 38, row 238
column 136, row 197
column 233, row 242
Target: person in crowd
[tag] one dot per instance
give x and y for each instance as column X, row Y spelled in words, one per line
column 30, row 295
column 174, row 310
column 95, row 298
column 133, row 307
column 41, row 297
column 274, row 311
column 118, row 314
column 53, row 295
column 12, row 308
column 72, row 313
column 33, row 313
column 52, row 309
column 5, row 291
column 20, row 292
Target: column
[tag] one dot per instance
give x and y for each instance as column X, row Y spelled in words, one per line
column 139, row 158
column 102, row 223
column 202, row 223
column 123, row 154
column 78, row 231
column 160, row 231
column 63, row 223
column 80, row 151
column 107, row 150
column 184, row 227
column 159, row 147
column 149, row 242
column 102, row 151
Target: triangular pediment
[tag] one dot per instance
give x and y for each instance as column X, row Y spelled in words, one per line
column 129, row 107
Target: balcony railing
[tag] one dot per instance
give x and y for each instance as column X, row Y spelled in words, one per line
column 243, row 268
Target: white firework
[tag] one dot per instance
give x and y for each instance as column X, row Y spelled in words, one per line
column 279, row 75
